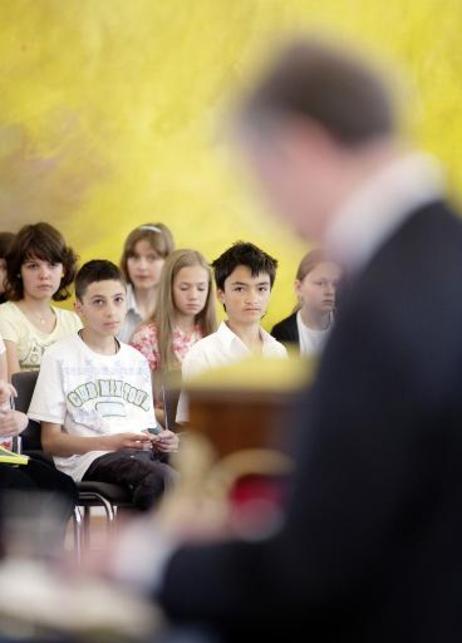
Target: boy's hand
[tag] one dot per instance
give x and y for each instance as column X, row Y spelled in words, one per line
column 166, row 441
column 126, row 441
column 6, row 391
column 12, row 422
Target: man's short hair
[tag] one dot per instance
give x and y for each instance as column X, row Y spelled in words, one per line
column 326, row 84
column 243, row 254
column 96, row 270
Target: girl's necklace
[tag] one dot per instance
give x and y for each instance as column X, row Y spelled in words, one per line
column 42, row 319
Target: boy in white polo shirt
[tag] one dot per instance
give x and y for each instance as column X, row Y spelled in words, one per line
column 244, row 276
column 93, row 397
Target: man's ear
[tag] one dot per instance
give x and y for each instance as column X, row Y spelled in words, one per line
column 78, row 307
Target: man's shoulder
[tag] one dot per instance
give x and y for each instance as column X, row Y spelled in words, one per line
column 425, row 249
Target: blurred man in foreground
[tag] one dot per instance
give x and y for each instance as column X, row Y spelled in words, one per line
column 371, row 547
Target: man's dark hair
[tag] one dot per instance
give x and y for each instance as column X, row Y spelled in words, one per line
column 328, row 85
column 243, row 254
column 96, row 270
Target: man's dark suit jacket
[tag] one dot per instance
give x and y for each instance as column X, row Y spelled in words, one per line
column 372, row 546
column 286, row 331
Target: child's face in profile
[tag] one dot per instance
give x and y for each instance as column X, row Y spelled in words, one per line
column 103, row 307
column 318, row 289
column 245, row 297
column 144, row 266
column 190, row 289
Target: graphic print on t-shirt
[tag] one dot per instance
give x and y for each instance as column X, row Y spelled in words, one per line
column 101, row 392
column 34, row 354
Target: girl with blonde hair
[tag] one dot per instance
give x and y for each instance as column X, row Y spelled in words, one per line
column 185, row 311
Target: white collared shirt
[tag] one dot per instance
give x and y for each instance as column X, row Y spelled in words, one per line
column 378, row 208
column 220, row 349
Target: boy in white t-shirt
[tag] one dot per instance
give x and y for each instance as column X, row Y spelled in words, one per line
column 244, row 275
column 94, row 397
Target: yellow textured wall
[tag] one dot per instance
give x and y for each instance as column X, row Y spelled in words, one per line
column 109, row 110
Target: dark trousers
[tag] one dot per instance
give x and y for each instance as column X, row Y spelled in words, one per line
column 40, row 476
column 141, row 471
column 36, row 491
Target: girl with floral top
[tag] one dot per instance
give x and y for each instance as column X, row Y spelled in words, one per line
column 185, row 311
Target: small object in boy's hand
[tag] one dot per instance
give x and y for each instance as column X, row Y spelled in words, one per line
column 155, row 430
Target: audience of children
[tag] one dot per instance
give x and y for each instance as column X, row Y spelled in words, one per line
column 93, row 397
column 244, row 276
column 316, row 288
column 6, row 239
column 144, row 253
column 40, row 268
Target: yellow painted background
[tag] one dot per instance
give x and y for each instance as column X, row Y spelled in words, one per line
column 110, row 111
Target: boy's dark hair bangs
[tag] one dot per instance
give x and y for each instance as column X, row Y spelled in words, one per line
column 243, row 254
column 96, row 270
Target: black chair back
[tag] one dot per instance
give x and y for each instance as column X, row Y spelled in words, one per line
column 24, row 383
column 170, row 398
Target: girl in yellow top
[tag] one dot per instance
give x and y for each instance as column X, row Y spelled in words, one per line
column 40, row 267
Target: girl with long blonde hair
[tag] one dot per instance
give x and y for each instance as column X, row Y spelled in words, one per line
column 185, row 311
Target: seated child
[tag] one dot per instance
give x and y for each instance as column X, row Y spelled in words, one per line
column 40, row 267
column 93, row 397
column 244, row 276
column 316, row 288
column 37, row 475
column 144, row 253
column 185, row 312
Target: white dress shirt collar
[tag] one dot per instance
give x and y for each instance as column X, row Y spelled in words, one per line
column 233, row 344
column 380, row 206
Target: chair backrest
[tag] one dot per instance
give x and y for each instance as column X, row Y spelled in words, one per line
column 24, row 383
column 170, row 398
